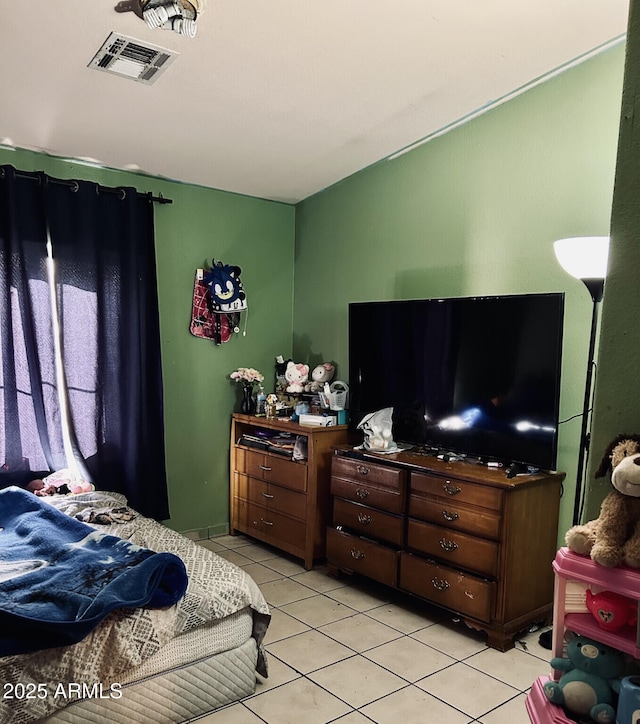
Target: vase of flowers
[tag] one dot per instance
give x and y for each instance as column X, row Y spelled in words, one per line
column 248, row 377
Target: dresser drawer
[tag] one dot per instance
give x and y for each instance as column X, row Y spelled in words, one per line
column 351, row 553
column 454, row 547
column 268, row 525
column 450, row 513
column 273, row 468
column 461, row 491
column 457, row 591
column 376, row 485
column 368, row 521
column 272, row 497
column 362, row 470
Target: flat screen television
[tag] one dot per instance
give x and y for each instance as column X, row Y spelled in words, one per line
column 474, row 376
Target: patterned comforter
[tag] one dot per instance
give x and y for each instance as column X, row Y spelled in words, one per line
column 128, row 637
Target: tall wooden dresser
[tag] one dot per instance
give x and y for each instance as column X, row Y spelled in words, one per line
column 457, row 534
column 273, row 496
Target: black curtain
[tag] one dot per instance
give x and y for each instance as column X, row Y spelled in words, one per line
column 106, row 294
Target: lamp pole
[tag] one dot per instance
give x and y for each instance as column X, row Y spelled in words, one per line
column 596, row 289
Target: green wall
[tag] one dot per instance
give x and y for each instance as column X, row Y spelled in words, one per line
column 202, row 223
column 617, row 394
column 474, row 211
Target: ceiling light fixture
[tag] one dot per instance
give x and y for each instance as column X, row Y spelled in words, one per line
column 177, row 15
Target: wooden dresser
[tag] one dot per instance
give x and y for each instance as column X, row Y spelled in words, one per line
column 457, row 534
column 273, row 497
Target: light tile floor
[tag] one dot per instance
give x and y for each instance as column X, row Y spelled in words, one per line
column 352, row 652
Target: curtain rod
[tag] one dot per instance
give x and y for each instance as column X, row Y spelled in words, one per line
column 37, row 175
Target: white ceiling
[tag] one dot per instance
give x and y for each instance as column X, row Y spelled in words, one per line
column 280, row 98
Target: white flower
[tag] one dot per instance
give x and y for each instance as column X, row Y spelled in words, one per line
column 247, row 375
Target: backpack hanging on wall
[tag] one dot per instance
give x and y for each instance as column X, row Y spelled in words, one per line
column 218, row 300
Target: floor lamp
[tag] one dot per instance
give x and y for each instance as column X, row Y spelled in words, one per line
column 585, row 258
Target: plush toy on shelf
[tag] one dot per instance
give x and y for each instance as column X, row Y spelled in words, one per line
column 590, row 679
column 612, row 610
column 296, row 375
column 281, row 380
column 614, row 537
column 319, row 375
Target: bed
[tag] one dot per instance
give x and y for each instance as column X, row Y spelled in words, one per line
column 148, row 665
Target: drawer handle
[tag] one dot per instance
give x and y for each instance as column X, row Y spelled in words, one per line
column 440, row 584
column 362, row 493
column 450, row 489
column 265, row 467
column 364, row 518
column 447, row 515
column 358, row 555
column 266, row 522
column 266, row 495
column 448, row 545
column 362, row 470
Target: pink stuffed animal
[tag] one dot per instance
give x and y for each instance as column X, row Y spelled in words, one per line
column 611, row 610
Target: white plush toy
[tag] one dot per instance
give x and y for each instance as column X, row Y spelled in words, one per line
column 320, row 374
column 296, row 375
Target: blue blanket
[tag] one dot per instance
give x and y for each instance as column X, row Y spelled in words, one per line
column 59, row 577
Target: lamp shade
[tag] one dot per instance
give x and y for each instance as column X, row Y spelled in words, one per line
column 584, row 257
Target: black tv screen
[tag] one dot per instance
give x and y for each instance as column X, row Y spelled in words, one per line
column 477, row 376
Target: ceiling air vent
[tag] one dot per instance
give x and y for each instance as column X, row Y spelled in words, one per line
column 132, row 59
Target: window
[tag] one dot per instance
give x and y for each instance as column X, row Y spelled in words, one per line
column 81, row 371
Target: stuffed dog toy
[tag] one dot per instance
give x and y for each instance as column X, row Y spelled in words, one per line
column 614, row 537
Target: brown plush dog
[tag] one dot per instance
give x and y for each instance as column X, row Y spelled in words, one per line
column 614, row 537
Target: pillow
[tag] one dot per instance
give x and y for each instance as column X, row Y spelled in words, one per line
column 21, row 478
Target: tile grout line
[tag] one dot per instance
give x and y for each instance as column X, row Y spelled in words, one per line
column 291, row 576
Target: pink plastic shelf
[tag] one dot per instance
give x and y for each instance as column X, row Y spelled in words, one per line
column 540, row 709
column 622, row 579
